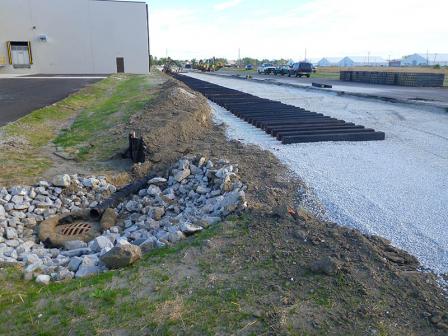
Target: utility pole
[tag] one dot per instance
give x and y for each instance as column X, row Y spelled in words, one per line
column 305, row 54
column 239, row 57
column 368, row 58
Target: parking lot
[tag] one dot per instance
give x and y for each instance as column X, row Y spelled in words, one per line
column 22, row 95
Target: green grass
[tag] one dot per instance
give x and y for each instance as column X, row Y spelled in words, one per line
column 114, row 300
column 328, row 75
column 27, row 161
column 97, row 110
column 89, row 134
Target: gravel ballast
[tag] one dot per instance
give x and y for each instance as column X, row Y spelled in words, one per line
column 395, row 188
column 196, row 194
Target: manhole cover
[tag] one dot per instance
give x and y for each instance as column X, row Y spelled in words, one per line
column 55, row 231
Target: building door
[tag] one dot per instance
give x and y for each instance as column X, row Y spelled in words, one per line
column 20, row 54
column 120, row 64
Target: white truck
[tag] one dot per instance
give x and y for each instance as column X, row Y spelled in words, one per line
column 266, row 68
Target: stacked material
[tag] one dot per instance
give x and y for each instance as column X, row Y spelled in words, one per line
column 289, row 124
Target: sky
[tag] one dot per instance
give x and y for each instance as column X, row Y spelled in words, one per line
column 285, row 28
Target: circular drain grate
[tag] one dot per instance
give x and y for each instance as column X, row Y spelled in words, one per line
column 75, row 229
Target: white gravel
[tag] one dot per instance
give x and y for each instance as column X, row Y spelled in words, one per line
column 397, row 188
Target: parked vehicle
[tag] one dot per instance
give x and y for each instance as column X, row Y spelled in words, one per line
column 266, row 68
column 282, row 70
column 249, row 67
column 301, row 69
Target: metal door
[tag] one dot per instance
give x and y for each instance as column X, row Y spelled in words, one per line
column 20, row 56
column 120, row 64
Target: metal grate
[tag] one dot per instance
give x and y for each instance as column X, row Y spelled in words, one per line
column 75, row 229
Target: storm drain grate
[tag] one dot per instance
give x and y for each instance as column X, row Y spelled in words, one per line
column 75, row 229
column 288, row 123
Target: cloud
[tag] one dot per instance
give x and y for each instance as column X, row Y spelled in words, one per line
column 226, row 5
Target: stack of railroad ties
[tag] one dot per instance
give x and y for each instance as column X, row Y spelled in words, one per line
column 289, row 124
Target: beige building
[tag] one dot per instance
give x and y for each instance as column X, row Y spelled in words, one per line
column 73, row 37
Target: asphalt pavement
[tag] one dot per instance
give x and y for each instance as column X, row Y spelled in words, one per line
column 22, row 95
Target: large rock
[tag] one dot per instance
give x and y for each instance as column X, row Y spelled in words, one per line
column 121, row 256
column 74, row 244
column 87, row 270
column 43, row 279
column 74, row 264
column 89, row 266
column 62, row 181
column 190, row 229
column 157, row 213
column 11, row 233
column 2, row 212
column 77, row 252
column 182, row 175
column 100, row 243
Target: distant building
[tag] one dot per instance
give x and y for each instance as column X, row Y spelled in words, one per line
column 425, row 59
column 356, row 61
column 353, row 61
column 414, row 60
column 395, row 63
column 73, row 37
column 329, row 61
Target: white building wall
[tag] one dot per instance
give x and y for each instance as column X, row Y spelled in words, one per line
column 84, row 36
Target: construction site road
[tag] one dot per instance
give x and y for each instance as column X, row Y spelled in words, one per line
column 431, row 96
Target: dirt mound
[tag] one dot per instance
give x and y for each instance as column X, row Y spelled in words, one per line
column 170, row 124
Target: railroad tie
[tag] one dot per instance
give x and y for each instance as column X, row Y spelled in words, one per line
column 287, row 123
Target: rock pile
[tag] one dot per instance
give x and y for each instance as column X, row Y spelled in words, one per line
column 196, row 194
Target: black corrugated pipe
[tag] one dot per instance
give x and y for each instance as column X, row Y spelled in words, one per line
column 119, row 196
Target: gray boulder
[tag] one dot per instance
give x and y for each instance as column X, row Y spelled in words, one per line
column 121, row 256
column 43, row 279
column 100, row 243
column 11, row 233
column 74, row 264
column 182, row 175
column 74, row 244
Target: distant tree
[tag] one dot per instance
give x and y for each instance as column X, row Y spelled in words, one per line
column 248, row 60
